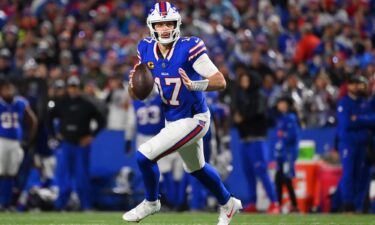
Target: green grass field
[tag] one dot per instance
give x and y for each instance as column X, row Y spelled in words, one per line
column 114, row 218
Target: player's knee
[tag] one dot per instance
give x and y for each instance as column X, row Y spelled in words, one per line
column 146, row 150
column 141, row 158
column 193, row 167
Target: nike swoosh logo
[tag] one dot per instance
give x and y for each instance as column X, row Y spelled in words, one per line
column 229, row 215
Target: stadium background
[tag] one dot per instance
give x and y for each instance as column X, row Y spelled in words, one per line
column 305, row 47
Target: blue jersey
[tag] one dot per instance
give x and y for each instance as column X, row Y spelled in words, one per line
column 150, row 117
column 351, row 131
column 11, row 118
column 178, row 101
column 288, row 124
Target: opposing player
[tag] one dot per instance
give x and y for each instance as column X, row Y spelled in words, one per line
column 182, row 70
column 15, row 115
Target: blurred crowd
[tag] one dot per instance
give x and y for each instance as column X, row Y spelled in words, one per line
column 304, row 48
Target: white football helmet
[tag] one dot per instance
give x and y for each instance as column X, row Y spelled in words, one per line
column 163, row 12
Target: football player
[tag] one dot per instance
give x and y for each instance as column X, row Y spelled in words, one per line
column 15, row 115
column 149, row 121
column 182, row 71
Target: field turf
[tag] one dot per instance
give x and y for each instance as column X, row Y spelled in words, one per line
column 114, row 218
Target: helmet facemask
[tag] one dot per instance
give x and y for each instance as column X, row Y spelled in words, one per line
column 156, row 16
column 174, row 33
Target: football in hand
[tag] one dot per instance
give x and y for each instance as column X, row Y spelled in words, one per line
column 143, row 82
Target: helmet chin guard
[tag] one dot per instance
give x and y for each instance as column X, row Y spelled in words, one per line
column 164, row 12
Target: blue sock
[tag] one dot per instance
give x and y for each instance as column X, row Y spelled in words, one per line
column 168, row 189
column 150, row 173
column 198, row 198
column 181, row 190
column 1, row 191
column 211, row 180
column 7, row 186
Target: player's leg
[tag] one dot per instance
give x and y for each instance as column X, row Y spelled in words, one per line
column 3, row 164
column 279, row 181
column 199, row 195
column 175, row 135
column 63, row 174
column 258, row 158
column 167, row 183
column 82, row 175
column 292, row 194
column 14, row 155
column 196, row 200
column 34, row 175
column 182, row 182
column 288, row 178
column 361, row 178
column 347, row 187
column 372, row 190
column 249, row 173
column 194, row 163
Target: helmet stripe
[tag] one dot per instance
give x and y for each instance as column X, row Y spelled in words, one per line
column 163, row 8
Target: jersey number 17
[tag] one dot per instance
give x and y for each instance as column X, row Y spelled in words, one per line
column 176, row 90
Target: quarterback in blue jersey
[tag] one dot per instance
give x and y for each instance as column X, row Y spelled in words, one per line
column 15, row 114
column 149, row 121
column 181, row 70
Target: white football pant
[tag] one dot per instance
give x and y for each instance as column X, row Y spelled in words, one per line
column 183, row 136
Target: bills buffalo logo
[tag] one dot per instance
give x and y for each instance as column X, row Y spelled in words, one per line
column 150, row 65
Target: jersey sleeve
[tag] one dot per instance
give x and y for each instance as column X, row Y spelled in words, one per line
column 23, row 102
column 141, row 49
column 196, row 49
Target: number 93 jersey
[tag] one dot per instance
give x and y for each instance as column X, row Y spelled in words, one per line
column 12, row 117
column 178, row 101
column 150, row 118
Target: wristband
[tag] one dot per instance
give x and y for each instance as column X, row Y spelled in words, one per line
column 199, row 85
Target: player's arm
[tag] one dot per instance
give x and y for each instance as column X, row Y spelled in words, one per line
column 31, row 122
column 214, row 79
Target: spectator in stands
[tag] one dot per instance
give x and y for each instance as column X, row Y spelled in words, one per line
column 250, row 119
column 300, row 93
column 94, row 71
column 75, row 114
column 10, row 37
column 5, row 63
column 323, row 101
column 258, row 65
column 307, row 44
column 118, row 101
